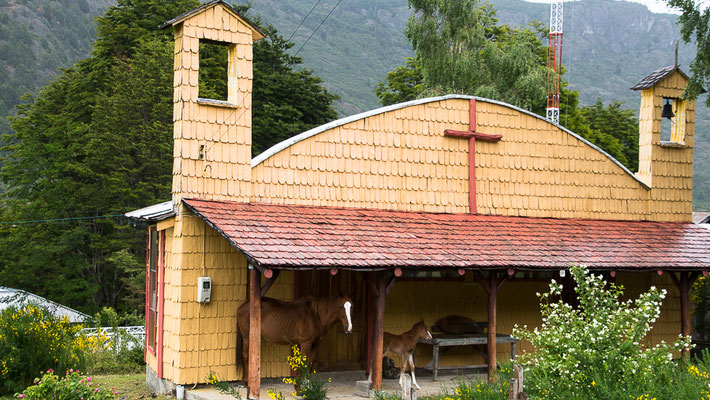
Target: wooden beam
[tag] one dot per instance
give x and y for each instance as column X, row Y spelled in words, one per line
column 475, row 135
column 254, row 377
column 683, row 281
column 478, row 276
column 492, row 356
column 390, row 284
column 369, row 280
column 270, row 281
column 501, row 281
column 379, row 333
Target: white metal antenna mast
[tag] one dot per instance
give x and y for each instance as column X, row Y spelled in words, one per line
column 554, row 61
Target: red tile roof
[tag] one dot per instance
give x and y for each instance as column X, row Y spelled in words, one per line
column 295, row 236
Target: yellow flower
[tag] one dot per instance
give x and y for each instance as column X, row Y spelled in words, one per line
column 594, row 383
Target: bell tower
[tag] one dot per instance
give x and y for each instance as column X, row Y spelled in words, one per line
column 666, row 158
column 212, row 138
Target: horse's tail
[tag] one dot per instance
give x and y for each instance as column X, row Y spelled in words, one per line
column 240, row 347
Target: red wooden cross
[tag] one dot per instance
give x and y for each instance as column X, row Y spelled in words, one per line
column 472, row 135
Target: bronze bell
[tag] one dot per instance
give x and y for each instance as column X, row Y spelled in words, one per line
column 667, row 110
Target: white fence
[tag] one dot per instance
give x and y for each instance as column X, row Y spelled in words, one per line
column 136, row 332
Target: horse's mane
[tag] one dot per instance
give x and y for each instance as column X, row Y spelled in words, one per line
column 325, row 309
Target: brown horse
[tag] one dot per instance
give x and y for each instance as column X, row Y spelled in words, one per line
column 303, row 322
column 403, row 345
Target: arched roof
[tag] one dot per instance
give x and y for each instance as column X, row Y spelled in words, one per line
column 343, row 121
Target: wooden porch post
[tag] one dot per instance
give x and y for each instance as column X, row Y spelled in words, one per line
column 379, row 332
column 684, row 303
column 492, row 298
column 254, row 378
column 684, row 281
column 491, row 286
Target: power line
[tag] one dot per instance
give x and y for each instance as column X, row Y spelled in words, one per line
column 243, row 110
column 319, row 25
column 61, row 219
column 303, row 20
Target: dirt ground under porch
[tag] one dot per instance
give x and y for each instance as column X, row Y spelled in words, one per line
column 342, row 385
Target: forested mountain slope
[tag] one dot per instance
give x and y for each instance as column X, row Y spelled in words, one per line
column 37, row 37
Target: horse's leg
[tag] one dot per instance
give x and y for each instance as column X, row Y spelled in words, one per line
column 372, row 366
column 307, row 350
column 404, row 367
column 412, row 368
column 245, row 358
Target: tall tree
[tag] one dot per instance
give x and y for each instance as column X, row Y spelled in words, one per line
column 615, row 130
column 286, row 100
column 695, row 26
column 98, row 141
column 462, row 49
column 402, row 84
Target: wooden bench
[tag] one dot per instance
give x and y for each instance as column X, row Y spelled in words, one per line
column 447, row 341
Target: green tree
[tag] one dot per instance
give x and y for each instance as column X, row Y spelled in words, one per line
column 694, row 26
column 286, row 101
column 402, row 84
column 615, row 130
column 98, row 141
column 462, row 49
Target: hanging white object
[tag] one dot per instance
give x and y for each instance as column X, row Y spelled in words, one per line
column 204, row 289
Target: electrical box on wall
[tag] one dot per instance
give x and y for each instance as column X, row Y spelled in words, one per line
column 204, row 289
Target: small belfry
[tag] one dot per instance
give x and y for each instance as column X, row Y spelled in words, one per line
column 212, row 147
column 666, row 166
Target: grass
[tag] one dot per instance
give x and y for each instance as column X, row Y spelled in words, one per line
column 129, row 386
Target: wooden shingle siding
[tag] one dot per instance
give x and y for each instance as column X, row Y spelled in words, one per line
column 202, row 337
column 668, row 170
column 400, row 160
column 221, row 129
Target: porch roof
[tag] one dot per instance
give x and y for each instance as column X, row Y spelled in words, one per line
column 309, row 237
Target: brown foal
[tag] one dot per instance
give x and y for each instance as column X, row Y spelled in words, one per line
column 403, row 345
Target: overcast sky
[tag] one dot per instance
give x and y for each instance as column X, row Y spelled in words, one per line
column 656, row 6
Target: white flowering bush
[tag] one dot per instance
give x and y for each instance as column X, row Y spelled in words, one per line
column 597, row 349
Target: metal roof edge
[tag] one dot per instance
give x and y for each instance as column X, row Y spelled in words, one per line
column 37, row 297
column 154, row 213
column 342, row 121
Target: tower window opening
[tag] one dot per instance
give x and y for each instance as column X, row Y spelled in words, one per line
column 673, row 121
column 213, row 78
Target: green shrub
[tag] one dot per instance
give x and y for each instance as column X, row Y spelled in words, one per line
column 306, row 384
column 223, row 387
column 32, row 340
column 72, row 386
column 597, row 350
column 111, row 355
column 469, row 389
column 382, row 395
